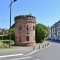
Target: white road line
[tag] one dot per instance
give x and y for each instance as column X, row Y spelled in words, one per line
column 31, row 53
column 10, row 55
column 36, row 59
column 21, row 58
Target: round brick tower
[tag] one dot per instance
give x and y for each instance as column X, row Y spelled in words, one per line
column 25, row 30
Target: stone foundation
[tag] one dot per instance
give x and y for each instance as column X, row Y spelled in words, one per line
column 26, row 44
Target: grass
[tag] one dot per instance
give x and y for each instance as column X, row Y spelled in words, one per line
column 6, row 45
column 1, row 44
column 12, row 47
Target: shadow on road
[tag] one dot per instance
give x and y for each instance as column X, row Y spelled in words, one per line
column 55, row 41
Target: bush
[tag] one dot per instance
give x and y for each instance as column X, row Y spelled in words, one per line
column 7, row 41
column 41, row 41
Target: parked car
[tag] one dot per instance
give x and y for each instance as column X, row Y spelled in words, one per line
column 57, row 39
column 48, row 38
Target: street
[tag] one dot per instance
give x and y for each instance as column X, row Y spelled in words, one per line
column 50, row 53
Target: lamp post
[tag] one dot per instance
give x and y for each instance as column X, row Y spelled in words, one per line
column 10, row 19
column 2, row 37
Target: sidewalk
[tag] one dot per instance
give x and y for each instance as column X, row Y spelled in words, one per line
column 21, row 50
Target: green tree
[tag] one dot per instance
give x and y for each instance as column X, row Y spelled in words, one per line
column 41, row 32
column 12, row 32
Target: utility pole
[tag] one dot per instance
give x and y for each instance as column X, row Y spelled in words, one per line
column 10, row 19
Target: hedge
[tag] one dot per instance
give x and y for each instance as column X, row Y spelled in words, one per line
column 7, row 41
column 4, row 37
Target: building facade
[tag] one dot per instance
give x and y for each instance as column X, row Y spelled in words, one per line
column 25, row 30
column 55, row 30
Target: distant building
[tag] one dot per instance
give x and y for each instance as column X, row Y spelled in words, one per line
column 1, row 31
column 49, row 36
column 55, row 30
column 25, row 30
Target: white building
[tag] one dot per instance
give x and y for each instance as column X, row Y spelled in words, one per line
column 55, row 30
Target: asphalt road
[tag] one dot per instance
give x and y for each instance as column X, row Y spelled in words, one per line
column 50, row 53
column 19, row 50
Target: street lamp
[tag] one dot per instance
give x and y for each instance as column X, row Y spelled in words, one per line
column 10, row 20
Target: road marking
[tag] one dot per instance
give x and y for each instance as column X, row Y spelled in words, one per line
column 21, row 58
column 31, row 53
column 10, row 55
column 36, row 59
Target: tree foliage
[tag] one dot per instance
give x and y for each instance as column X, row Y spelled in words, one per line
column 12, row 32
column 41, row 32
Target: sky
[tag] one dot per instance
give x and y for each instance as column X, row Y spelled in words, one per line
column 47, row 12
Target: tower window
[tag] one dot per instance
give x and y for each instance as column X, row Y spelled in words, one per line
column 33, row 27
column 20, row 28
column 27, row 38
column 29, row 21
column 27, row 27
column 20, row 38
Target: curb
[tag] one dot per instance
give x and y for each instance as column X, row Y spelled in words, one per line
column 40, row 48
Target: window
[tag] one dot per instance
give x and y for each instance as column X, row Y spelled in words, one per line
column 53, row 30
column 20, row 38
column 28, row 33
column 58, row 29
column 27, row 27
column 58, row 33
column 20, row 28
column 53, row 33
column 33, row 27
column 53, row 27
column 29, row 21
column 27, row 38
